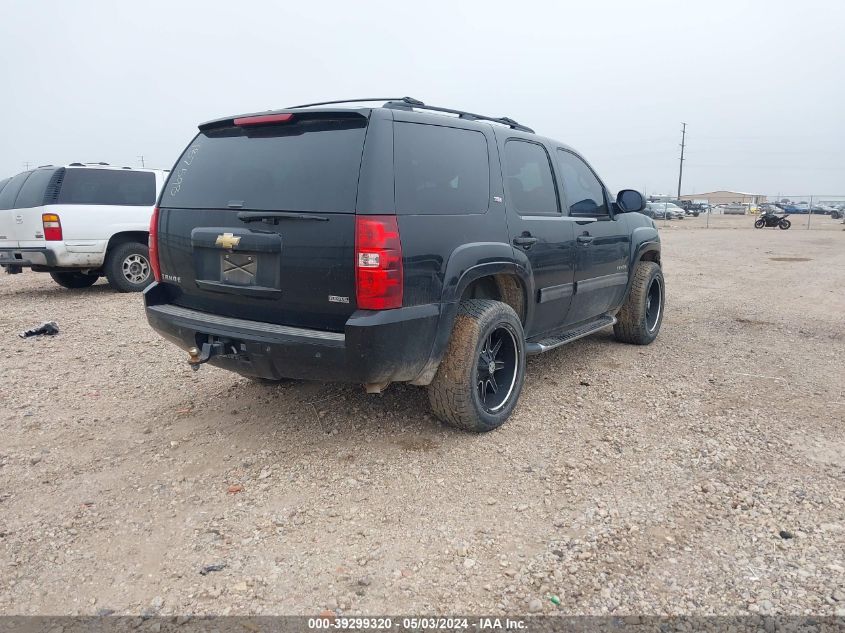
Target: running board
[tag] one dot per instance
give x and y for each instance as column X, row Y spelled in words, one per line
column 550, row 342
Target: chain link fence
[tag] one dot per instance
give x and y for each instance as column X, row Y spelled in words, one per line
column 821, row 212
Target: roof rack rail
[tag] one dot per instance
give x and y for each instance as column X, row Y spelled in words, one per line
column 320, row 103
column 97, row 163
column 40, row 166
column 77, row 164
column 410, row 104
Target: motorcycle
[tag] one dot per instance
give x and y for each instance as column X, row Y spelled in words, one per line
column 769, row 219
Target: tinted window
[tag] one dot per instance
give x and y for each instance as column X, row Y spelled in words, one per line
column 309, row 165
column 32, row 192
column 10, row 191
column 108, row 186
column 530, row 183
column 582, row 190
column 440, row 169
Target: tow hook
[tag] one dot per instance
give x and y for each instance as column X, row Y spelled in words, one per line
column 197, row 357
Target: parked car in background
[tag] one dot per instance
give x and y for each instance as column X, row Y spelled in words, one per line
column 734, row 209
column 80, row 222
column 798, row 208
column 664, row 211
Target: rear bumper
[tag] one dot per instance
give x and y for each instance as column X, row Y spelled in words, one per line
column 383, row 346
column 56, row 255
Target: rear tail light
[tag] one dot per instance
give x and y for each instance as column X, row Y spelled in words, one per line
column 153, row 244
column 378, row 262
column 52, row 227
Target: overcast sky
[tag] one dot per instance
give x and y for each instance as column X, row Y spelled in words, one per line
column 760, row 84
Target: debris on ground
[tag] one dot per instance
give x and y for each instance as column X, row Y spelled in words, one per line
column 48, row 328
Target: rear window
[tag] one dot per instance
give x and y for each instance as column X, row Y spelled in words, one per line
column 307, row 165
column 33, row 190
column 108, row 186
column 440, row 170
column 3, row 183
column 10, row 191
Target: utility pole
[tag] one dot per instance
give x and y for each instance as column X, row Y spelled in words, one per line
column 681, row 168
column 26, row 165
column 141, row 156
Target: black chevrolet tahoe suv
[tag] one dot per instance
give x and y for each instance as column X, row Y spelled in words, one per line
column 401, row 242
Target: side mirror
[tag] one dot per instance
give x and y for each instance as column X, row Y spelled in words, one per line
column 630, row 201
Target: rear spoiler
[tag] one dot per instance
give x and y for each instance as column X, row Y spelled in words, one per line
column 277, row 117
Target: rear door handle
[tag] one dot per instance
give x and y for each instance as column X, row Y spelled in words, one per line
column 585, row 239
column 524, row 241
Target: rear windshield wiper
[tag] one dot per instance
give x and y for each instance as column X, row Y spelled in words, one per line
column 257, row 216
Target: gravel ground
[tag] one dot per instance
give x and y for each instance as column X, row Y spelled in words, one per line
column 704, row 474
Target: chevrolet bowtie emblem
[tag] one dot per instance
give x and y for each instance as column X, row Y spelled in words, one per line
column 227, row 241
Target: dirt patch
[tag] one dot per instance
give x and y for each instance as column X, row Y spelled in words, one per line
column 415, row 444
column 753, row 321
column 659, row 488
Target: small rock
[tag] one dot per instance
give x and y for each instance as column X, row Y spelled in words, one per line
column 838, row 595
column 240, row 587
column 786, row 534
column 234, row 489
column 207, row 569
column 157, row 603
column 535, row 606
column 469, row 563
column 521, row 508
column 365, row 581
column 491, row 501
column 34, row 459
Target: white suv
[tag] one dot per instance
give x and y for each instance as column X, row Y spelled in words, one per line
column 80, row 222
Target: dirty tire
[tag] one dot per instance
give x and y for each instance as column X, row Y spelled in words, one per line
column 455, row 393
column 74, row 280
column 121, row 277
column 784, row 224
column 637, row 324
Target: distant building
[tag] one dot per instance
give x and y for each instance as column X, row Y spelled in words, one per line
column 727, row 197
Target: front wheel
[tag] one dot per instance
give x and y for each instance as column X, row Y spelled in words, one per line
column 128, row 267
column 480, row 377
column 74, row 280
column 759, row 223
column 784, row 224
column 639, row 319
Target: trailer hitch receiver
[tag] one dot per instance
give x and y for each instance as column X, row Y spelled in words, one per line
column 199, row 355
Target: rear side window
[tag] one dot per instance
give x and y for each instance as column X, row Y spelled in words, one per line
column 10, row 191
column 440, row 170
column 33, row 190
column 530, row 182
column 108, row 186
column 306, row 165
column 582, row 189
